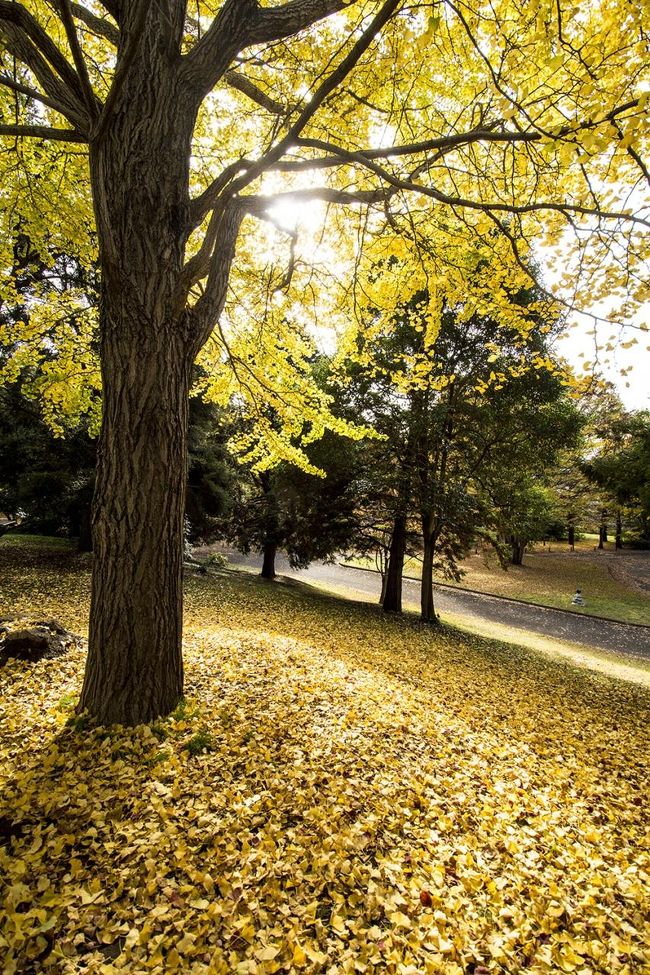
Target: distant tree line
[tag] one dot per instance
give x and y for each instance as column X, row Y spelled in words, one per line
column 477, row 443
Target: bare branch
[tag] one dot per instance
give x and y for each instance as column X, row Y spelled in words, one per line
column 275, row 23
column 199, row 264
column 43, row 132
column 209, row 306
column 258, row 204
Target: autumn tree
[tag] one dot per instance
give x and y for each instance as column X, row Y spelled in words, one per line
column 469, row 415
column 621, row 468
column 187, row 127
column 310, row 517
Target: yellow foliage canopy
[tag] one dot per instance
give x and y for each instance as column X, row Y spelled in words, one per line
column 451, row 137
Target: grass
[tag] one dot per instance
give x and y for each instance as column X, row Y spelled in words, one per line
column 338, row 793
column 550, row 578
column 20, row 539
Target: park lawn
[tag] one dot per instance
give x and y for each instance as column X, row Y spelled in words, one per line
column 340, row 792
column 549, row 578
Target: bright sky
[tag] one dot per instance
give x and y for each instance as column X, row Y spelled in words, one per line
column 633, row 385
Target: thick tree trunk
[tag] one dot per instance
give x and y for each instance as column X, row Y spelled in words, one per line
column 140, row 178
column 393, row 590
column 268, row 563
column 517, row 550
column 427, row 608
column 134, row 671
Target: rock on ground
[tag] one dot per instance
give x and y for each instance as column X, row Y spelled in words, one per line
column 30, row 640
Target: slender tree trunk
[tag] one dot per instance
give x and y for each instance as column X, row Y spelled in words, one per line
column 619, row 530
column 572, row 534
column 427, row 608
column 268, row 563
column 381, row 561
column 602, row 533
column 393, row 590
column 382, row 595
column 270, row 526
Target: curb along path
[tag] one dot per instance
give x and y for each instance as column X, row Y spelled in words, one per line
column 508, row 599
column 621, row 638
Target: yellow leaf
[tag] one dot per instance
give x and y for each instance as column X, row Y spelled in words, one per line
column 299, row 956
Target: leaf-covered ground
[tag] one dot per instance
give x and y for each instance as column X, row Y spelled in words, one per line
column 340, row 793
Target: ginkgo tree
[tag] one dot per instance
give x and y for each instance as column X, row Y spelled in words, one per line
column 166, row 133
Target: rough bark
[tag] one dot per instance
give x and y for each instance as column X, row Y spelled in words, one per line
column 393, row 589
column 134, row 671
column 139, row 172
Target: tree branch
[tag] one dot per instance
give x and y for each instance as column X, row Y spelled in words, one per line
column 15, row 13
column 201, row 205
column 43, row 132
column 112, row 7
column 98, row 25
column 258, row 204
column 32, row 93
column 87, row 92
column 274, row 24
column 240, row 24
column 208, row 308
column 23, row 50
column 332, row 82
column 246, row 87
column 123, row 65
column 399, row 183
column 209, row 59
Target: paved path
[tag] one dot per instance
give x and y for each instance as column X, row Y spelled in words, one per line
column 614, row 637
